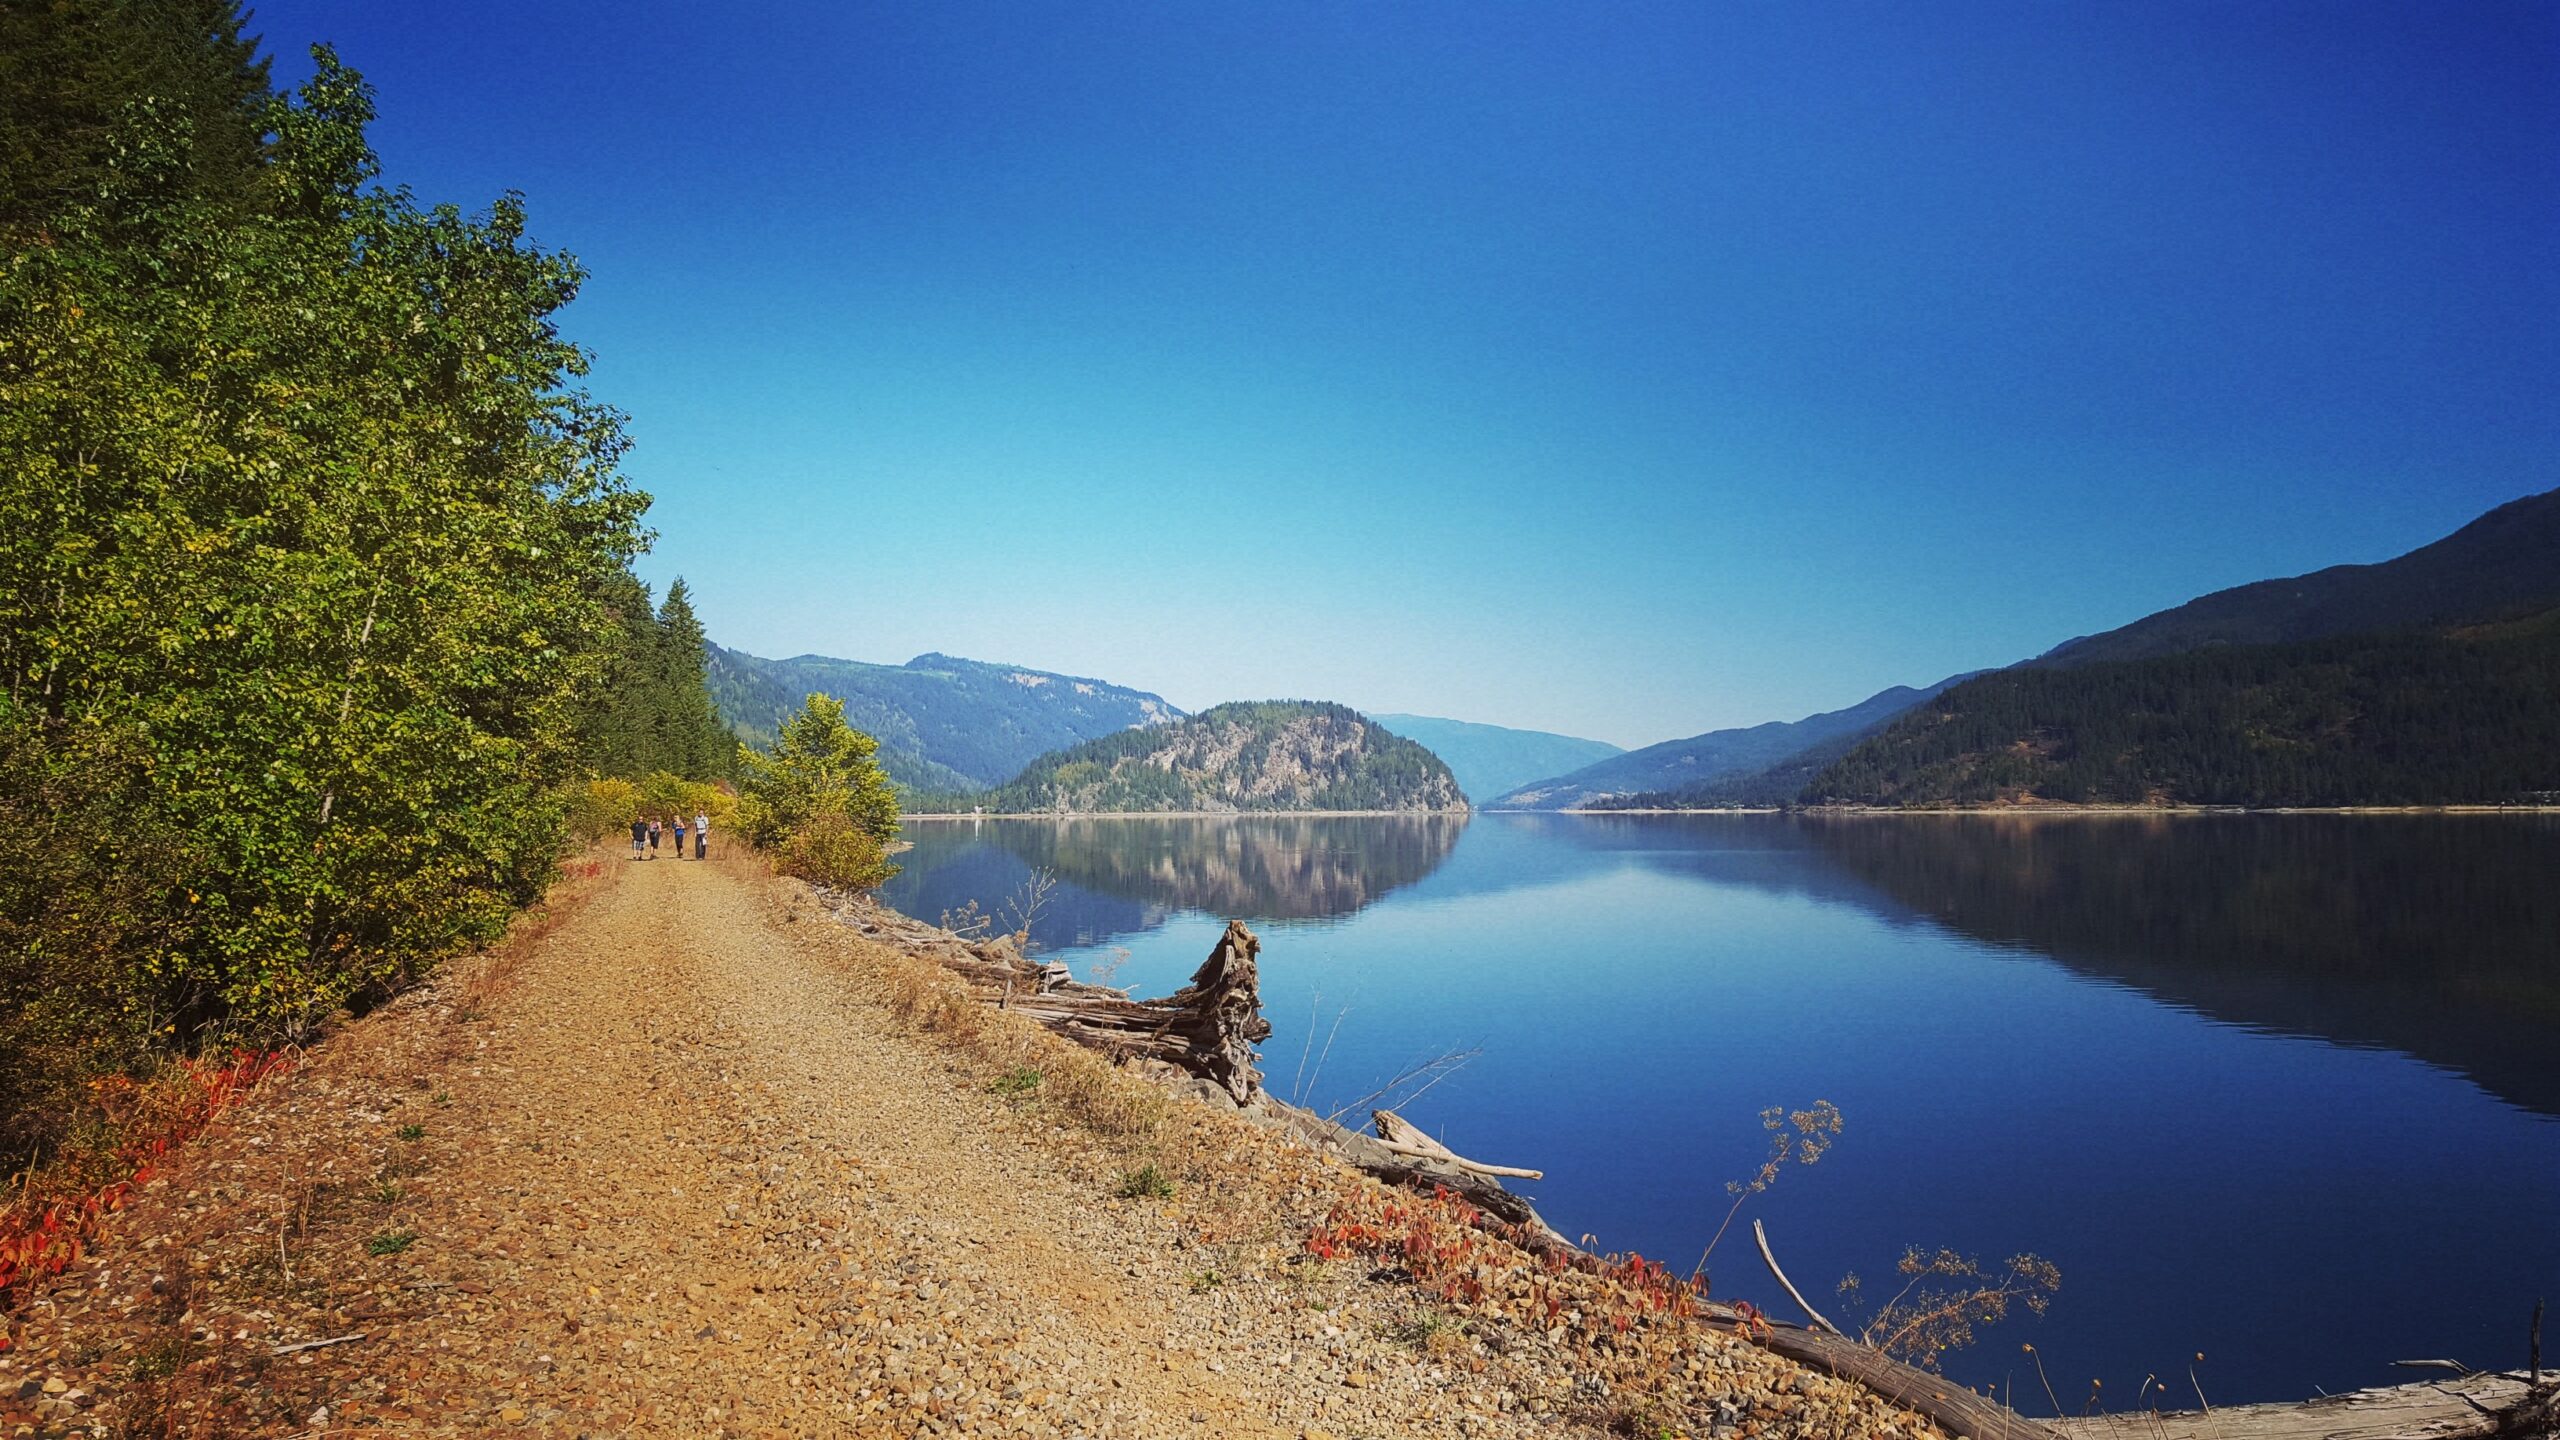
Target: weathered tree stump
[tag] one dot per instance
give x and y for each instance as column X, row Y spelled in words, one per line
column 1208, row 1027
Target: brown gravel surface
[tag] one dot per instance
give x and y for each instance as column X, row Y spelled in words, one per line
column 665, row 1166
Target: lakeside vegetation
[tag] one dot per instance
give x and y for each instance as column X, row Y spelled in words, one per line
column 315, row 589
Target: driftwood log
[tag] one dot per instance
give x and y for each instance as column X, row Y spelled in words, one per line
column 1406, row 1138
column 1208, row 1027
column 2478, row 1405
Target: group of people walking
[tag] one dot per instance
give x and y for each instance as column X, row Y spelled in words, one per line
column 647, row 829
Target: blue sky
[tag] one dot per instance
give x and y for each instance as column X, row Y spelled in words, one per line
column 1628, row 370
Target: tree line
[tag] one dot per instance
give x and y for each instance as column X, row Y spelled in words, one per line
column 316, row 604
column 2397, row 719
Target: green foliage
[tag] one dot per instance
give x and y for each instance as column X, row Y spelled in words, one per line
column 1144, row 1183
column 819, row 766
column 390, row 1242
column 72, row 69
column 829, row 849
column 651, row 710
column 307, row 539
column 1019, row 1081
column 1250, row 755
column 672, row 797
column 2398, row 719
column 820, row 801
column 600, row 808
column 91, row 882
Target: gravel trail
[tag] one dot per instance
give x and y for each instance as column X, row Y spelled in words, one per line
column 733, row 1199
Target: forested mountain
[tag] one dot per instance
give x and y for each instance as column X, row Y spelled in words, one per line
column 1700, row 761
column 2468, row 716
column 2430, row 679
column 1492, row 759
column 2502, row 566
column 1249, row 756
column 944, row 724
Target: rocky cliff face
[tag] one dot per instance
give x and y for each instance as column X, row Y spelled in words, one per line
column 1249, row 757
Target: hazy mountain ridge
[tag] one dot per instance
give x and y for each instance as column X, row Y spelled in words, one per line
column 1246, row 756
column 1674, row 767
column 943, row 723
column 2433, row 678
column 2502, row 566
column 1491, row 759
column 2397, row 718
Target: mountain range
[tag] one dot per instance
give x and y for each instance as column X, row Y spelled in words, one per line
column 1491, row 759
column 943, row 723
column 1719, row 755
column 2432, row 678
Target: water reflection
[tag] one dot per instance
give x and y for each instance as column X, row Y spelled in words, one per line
column 2437, row 936
column 1119, row 877
column 2068, row 1034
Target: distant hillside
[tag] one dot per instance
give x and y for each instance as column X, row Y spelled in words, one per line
column 2504, row 565
column 2470, row 716
column 1491, row 759
column 943, row 723
column 2430, row 679
column 1679, row 766
column 1271, row 755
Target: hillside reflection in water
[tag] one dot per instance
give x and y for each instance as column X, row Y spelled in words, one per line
column 2238, row 1075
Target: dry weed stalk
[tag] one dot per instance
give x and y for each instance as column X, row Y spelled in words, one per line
column 1944, row 1295
column 1812, row 1133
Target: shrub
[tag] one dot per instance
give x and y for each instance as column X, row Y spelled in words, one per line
column 829, row 849
column 819, row 766
column 602, row 807
column 1145, row 1183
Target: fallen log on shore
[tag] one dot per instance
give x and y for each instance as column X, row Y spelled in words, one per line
column 2469, row 1407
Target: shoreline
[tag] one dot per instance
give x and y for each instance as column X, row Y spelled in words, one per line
column 1193, row 815
column 2002, row 811
column 2007, row 811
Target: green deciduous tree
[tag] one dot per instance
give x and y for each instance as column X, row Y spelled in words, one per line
column 305, row 523
column 821, row 782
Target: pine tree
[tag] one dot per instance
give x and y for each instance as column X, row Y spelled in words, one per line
column 691, row 740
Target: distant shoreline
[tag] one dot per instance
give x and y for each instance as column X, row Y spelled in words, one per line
column 1190, row 815
column 2091, row 811
column 2065, row 810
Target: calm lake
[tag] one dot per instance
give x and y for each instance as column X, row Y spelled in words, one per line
column 2283, row 1090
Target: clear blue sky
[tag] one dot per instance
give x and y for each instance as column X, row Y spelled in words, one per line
column 1628, row 370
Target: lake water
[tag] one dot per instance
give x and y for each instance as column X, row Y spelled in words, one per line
column 2281, row 1089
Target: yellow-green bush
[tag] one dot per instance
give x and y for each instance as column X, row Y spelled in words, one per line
column 602, row 807
column 669, row 796
column 829, row 849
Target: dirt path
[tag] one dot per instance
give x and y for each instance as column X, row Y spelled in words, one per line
column 728, row 1198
